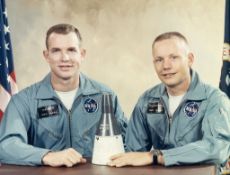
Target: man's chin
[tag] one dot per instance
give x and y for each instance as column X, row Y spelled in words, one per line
column 66, row 78
column 170, row 84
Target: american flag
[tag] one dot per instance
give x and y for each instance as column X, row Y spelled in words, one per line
column 7, row 76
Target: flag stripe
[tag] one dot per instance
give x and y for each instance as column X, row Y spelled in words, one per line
column 4, row 95
column 1, row 114
column 13, row 85
column 8, row 84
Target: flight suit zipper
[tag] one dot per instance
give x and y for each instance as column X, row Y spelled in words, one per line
column 70, row 133
column 70, row 122
column 69, row 118
column 170, row 120
column 166, row 113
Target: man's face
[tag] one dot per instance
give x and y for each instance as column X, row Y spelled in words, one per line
column 172, row 62
column 64, row 55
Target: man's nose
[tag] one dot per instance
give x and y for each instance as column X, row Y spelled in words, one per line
column 65, row 56
column 167, row 64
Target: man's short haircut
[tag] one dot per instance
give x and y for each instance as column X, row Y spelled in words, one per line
column 169, row 35
column 63, row 29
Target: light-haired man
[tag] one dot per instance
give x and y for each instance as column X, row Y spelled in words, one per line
column 180, row 121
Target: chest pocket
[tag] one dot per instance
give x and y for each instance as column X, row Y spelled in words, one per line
column 89, row 113
column 157, row 125
column 189, row 126
column 49, row 126
column 156, row 119
column 85, row 117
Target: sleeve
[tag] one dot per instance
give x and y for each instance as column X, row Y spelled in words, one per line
column 14, row 147
column 215, row 144
column 137, row 135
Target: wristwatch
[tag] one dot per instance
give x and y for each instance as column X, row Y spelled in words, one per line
column 156, row 153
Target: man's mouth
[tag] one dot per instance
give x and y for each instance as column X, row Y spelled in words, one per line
column 168, row 75
column 65, row 67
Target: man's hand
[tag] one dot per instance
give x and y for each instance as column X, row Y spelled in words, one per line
column 67, row 157
column 131, row 158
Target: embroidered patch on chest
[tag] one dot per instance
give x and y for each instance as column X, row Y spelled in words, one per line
column 90, row 105
column 155, row 107
column 48, row 111
column 191, row 109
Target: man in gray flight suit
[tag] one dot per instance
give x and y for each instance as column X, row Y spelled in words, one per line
column 182, row 120
column 53, row 122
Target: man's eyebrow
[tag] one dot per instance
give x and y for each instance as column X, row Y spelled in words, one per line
column 72, row 47
column 55, row 48
column 157, row 57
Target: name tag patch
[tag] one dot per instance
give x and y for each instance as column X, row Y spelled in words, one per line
column 191, row 109
column 48, row 111
column 90, row 105
column 155, row 107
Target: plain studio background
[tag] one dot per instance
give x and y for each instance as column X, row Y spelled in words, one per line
column 117, row 35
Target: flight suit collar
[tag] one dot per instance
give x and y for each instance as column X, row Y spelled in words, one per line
column 196, row 91
column 86, row 86
column 46, row 90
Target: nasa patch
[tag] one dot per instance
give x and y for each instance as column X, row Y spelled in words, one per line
column 191, row 109
column 90, row 105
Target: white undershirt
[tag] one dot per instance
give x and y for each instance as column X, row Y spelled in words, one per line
column 67, row 98
column 174, row 102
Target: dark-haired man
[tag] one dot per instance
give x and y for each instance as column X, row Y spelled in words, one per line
column 53, row 122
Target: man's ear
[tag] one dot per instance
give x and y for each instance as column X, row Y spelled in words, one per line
column 190, row 59
column 46, row 55
column 83, row 53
